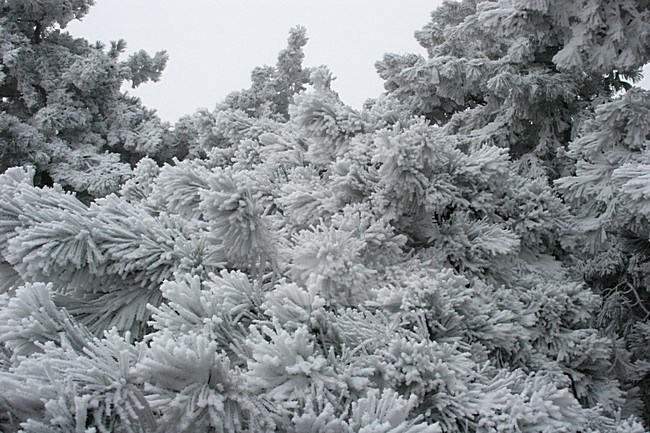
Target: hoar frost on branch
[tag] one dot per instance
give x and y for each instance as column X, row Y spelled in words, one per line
column 467, row 253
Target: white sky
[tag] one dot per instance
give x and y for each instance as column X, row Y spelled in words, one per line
column 214, row 44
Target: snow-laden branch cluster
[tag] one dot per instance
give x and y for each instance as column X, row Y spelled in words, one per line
column 467, row 253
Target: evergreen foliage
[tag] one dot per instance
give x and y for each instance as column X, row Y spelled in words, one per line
column 61, row 107
column 520, row 74
column 467, row 253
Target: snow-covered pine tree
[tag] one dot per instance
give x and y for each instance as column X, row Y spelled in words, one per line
column 340, row 270
column 273, row 86
column 520, row 74
column 609, row 194
column 541, row 78
column 62, row 109
column 248, row 113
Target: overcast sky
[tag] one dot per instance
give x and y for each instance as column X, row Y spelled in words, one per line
column 214, row 44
